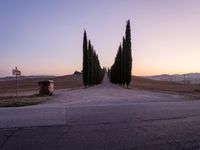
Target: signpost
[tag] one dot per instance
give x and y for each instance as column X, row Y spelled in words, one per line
column 17, row 73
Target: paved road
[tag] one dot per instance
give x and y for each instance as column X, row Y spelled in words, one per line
column 141, row 121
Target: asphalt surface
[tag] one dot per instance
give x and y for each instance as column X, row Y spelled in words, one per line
column 148, row 121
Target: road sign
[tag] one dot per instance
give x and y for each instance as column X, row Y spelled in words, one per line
column 16, row 72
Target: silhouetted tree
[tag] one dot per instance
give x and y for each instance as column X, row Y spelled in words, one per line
column 95, row 67
column 92, row 71
column 89, row 63
column 120, row 72
column 108, row 72
column 85, row 60
column 120, row 67
column 128, row 54
column 92, row 66
column 124, row 72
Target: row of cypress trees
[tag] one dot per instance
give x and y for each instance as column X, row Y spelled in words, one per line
column 120, row 72
column 92, row 72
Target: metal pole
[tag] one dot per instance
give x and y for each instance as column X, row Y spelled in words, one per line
column 16, row 84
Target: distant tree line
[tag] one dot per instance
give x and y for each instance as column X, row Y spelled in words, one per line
column 92, row 71
column 120, row 72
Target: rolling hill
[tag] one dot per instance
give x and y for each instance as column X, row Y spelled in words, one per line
column 190, row 78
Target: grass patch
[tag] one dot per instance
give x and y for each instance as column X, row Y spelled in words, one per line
column 192, row 96
column 22, row 100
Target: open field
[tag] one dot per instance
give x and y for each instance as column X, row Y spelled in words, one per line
column 29, row 86
column 164, row 86
column 13, row 101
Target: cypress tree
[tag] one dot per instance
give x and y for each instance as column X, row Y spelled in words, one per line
column 92, row 71
column 128, row 54
column 92, row 66
column 108, row 72
column 95, row 67
column 89, row 62
column 98, row 71
column 120, row 65
column 85, row 59
column 120, row 72
column 124, row 63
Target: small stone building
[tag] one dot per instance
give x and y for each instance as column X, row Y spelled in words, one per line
column 46, row 87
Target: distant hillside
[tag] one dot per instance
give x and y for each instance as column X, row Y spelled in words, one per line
column 10, row 78
column 190, row 78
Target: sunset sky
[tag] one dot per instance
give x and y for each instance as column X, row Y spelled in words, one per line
column 44, row 37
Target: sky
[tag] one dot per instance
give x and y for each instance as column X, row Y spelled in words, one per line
column 44, row 37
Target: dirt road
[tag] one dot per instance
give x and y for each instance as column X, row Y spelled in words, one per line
column 107, row 93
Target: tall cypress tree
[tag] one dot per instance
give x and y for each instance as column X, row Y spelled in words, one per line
column 85, row 60
column 92, row 66
column 89, row 62
column 92, row 71
column 120, row 64
column 128, row 54
column 98, row 75
column 124, row 71
column 120, row 72
column 95, row 67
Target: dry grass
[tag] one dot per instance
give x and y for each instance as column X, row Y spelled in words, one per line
column 22, row 100
column 27, row 85
column 165, row 86
column 70, row 81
